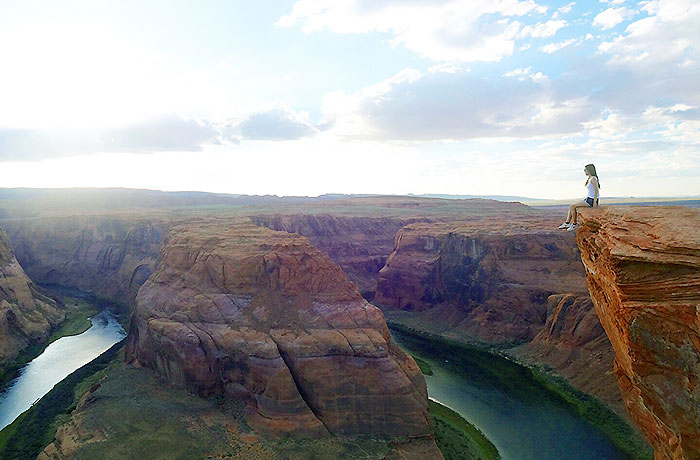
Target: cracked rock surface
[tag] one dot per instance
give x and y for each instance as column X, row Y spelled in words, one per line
column 247, row 312
column 643, row 274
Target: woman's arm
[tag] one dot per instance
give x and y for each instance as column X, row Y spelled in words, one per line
column 595, row 187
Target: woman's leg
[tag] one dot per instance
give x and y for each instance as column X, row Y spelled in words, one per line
column 574, row 207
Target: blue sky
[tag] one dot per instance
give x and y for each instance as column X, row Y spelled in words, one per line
column 352, row 96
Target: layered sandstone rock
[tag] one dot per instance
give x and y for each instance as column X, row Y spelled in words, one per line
column 360, row 245
column 251, row 313
column 108, row 256
column 643, row 272
column 486, row 278
column 26, row 316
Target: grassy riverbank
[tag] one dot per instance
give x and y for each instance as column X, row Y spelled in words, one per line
column 130, row 414
column 35, row 428
column 587, row 407
column 78, row 313
column 146, row 419
column 459, row 439
column 456, row 437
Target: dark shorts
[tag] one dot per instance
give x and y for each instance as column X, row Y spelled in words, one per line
column 590, row 201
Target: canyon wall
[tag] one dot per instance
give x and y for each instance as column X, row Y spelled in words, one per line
column 251, row 313
column 487, row 280
column 574, row 343
column 643, row 274
column 26, row 316
column 360, row 245
column 108, row 256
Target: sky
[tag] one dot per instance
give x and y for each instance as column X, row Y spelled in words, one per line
column 480, row 97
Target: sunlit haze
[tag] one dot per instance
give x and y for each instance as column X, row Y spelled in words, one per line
column 307, row 97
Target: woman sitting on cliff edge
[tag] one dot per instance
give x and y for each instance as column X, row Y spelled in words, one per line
column 591, row 201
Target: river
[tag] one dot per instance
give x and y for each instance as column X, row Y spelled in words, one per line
column 521, row 418
column 58, row 360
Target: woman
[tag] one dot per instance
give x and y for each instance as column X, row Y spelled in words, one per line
column 591, row 201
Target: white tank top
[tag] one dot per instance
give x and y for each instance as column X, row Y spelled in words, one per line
column 591, row 188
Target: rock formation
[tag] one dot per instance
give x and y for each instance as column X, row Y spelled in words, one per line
column 26, row 316
column 486, row 278
column 360, row 245
column 108, row 256
column 574, row 344
column 251, row 313
column 643, row 274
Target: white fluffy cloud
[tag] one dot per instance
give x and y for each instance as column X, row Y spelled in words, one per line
column 656, row 57
column 276, row 123
column 611, row 17
column 441, row 30
column 439, row 105
column 550, row 48
column 543, row 29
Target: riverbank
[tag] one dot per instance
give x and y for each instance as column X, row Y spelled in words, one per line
column 78, row 313
column 457, row 438
column 135, row 409
column 622, row 435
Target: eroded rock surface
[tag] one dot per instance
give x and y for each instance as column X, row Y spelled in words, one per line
column 574, row 343
column 489, row 279
column 108, row 256
column 251, row 313
column 26, row 316
column 643, row 274
column 360, row 245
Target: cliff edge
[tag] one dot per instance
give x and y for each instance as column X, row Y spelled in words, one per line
column 643, row 274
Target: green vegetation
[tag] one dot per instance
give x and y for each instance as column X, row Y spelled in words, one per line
column 424, row 367
column 78, row 312
column 597, row 413
column 146, row 419
column 459, row 439
column 10, row 430
column 531, row 380
column 37, row 426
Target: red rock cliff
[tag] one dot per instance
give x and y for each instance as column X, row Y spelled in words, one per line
column 261, row 315
column 360, row 245
column 643, row 274
column 489, row 279
column 109, row 256
column 26, row 316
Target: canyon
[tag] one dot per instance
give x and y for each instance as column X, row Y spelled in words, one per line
column 270, row 304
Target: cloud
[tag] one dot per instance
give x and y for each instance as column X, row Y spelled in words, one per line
column 275, row 124
column 543, row 29
column 611, row 17
column 417, row 106
column 655, row 60
column 168, row 133
column 440, row 30
column 566, row 8
column 554, row 47
column 522, row 74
